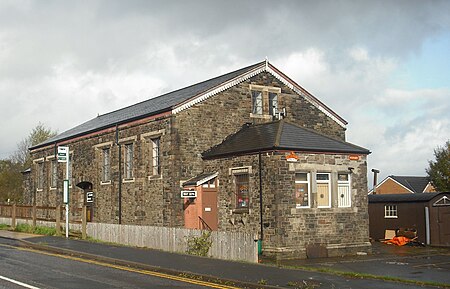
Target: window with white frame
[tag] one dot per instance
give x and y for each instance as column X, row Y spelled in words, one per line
column 128, row 161
column 390, row 211
column 40, row 176
column 106, row 165
column 344, row 190
column 54, row 174
column 302, row 190
column 257, row 102
column 323, row 190
column 156, row 157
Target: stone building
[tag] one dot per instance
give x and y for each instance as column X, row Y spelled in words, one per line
column 249, row 151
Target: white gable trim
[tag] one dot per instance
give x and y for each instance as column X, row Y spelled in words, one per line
column 445, row 202
column 263, row 68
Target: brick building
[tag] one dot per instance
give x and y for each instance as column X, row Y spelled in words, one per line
column 257, row 152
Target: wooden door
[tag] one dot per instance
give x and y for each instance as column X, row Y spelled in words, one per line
column 209, row 212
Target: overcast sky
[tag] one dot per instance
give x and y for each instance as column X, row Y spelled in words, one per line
column 384, row 66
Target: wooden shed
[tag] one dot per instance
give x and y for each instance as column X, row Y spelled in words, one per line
column 427, row 213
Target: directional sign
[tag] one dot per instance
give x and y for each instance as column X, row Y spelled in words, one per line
column 63, row 154
column 89, row 197
column 189, row 194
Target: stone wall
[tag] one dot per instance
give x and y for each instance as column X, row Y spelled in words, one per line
column 289, row 231
column 145, row 200
column 208, row 123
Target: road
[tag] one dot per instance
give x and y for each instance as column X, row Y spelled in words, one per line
column 23, row 268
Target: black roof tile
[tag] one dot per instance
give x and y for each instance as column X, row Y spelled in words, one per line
column 146, row 108
column 279, row 135
column 400, row 198
column 415, row 184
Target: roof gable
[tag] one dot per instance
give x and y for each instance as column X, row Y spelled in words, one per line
column 181, row 99
column 279, row 135
column 414, row 184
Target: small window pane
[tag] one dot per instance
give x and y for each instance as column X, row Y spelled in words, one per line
column 242, row 190
column 302, row 194
column 343, row 177
column 301, row 177
column 257, row 104
column 273, row 103
column 322, row 177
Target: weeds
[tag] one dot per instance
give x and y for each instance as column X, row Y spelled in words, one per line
column 199, row 246
column 25, row 228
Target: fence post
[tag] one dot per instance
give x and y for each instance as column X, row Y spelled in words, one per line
column 34, row 216
column 83, row 223
column 13, row 216
column 58, row 220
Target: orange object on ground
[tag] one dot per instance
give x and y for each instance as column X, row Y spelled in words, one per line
column 399, row 241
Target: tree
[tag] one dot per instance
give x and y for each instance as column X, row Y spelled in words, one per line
column 38, row 135
column 10, row 181
column 11, row 169
column 439, row 169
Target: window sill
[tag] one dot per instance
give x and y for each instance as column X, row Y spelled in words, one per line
column 263, row 116
column 39, row 190
column 240, row 211
column 391, row 217
column 128, row 180
column 155, row 177
column 303, row 207
column 52, row 188
column 105, row 183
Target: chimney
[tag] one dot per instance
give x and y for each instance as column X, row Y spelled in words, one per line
column 375, row 174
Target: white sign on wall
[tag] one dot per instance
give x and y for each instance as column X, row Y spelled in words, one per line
column 189, row 194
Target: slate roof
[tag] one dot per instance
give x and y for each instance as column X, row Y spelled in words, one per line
column 401, row 198
column 200, row 179
column 414, row 184
column 162, row 103
column 279, row 135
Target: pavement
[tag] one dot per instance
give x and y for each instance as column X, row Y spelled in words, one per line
column 416, row 264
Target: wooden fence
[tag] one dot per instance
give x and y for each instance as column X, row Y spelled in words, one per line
column 225, row 245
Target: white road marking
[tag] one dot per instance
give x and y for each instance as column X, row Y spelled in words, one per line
column 18, row 283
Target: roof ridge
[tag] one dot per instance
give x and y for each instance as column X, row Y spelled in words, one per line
column 279, row 132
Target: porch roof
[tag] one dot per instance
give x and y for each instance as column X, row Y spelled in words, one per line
column 279, row 135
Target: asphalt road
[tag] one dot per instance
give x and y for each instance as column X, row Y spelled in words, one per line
column 36, row 270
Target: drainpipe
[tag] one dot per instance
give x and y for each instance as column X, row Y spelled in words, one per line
column 120, row 173
column 260, row 197
column 375, row 174
column 427, row 225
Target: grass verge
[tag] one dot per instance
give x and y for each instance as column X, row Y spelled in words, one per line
column 25, row 228
column 356, row 275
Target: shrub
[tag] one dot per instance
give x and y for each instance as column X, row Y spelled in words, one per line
column 199, row 246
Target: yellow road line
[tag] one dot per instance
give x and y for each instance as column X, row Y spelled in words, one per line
column 129, row 269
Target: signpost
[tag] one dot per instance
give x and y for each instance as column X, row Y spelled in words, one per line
column 63, row 157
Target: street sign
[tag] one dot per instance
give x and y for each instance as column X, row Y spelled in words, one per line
column 63, row 154
column 89, row 197
column 189, row 194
